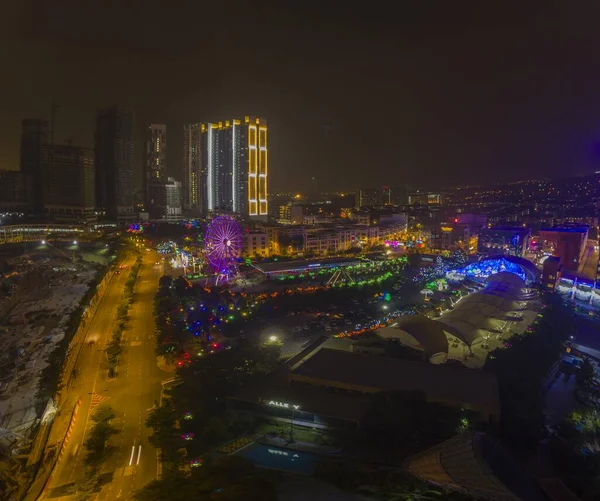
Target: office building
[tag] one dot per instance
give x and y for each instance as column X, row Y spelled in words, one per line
column 291, row 213
column 420, row 198
column 164, row 199
column 69, row 180
column 235, row 166
column 395, row 195
column 12, row 191
column 369, row 198
column 115, row 139
column 195, row 196
column 35, row 133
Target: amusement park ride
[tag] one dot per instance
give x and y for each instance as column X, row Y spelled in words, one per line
column 223, row 244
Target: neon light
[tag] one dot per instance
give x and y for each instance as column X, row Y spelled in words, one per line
column 210, row 170
column 234, row 176
column 263, row 168
column 284, row 405
column 252, row 170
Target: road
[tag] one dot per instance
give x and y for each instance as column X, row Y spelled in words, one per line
column 131, row 460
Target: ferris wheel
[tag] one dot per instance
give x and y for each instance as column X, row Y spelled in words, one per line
column 223, row 243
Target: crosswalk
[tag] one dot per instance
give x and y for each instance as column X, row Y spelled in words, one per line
column 97, row 400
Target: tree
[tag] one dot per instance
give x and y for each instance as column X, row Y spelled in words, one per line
column 227, row 478
column 165, row 281
column 521, row 370
column 459, row 258
column 99, row 435
column 104, row 414
column 585, row 375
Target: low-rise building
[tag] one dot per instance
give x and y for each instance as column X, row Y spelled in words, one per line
column 256, row 243
column 503, row 240
column 330, row 388
column 567, row 243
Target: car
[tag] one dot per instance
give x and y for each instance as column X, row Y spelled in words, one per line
column 328, row 327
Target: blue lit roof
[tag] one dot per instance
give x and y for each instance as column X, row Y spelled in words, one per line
column 487, row 267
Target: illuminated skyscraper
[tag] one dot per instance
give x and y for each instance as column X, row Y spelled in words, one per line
column 194, row 171
column 233, row 166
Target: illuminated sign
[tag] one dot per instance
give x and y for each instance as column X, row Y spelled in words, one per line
column 282, row 453
column 284, row 405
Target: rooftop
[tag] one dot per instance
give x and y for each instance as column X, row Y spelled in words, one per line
column 319, row 401
column 306, row 264
column 366, row 373
column 568, row 229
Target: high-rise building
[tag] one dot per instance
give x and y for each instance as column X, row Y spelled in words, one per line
column 234, row 165
column 12, row 191
column 195, row 195
column 367, row 198
column 156, row 155
column 69, row 181
column 115, row 139
column 395, row 195
column 35, row 133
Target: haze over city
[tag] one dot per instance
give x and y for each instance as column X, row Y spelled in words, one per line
column 289, row 251
column 428, row 92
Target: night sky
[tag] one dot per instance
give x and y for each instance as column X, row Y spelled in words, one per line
column 358, row 94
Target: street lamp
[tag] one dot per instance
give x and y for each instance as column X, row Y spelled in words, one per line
column 74, row 242
column 273, row 339
column 43, row 242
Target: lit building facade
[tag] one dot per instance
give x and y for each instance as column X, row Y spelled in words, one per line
column 233, row 172
column 256, row 243
column 195, row 182
column 420, row 198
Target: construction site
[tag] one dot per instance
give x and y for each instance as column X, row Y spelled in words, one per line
column 39, row 294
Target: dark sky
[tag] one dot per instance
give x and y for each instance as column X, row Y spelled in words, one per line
column 358, row 94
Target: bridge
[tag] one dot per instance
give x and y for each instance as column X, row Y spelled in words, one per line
column 35, row 232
